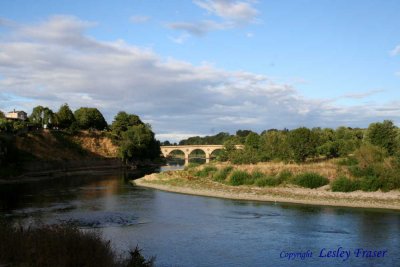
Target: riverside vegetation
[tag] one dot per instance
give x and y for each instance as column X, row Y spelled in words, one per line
column 61, row 245
column 82, row 135
column 364, row 159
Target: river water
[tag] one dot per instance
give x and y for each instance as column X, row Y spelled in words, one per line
column 184, row 230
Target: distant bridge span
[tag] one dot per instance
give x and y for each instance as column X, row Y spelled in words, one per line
column 187, row 149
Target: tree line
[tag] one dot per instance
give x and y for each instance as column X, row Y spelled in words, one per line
column 135, row 139
column 301, row 144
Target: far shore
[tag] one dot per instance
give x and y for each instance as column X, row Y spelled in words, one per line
column 282, row 194
column 89, row 167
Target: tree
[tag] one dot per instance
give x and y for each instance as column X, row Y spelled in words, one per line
column 303, row 143
column 42, row 116
column 122, row 121
column 383, row 135
column 2, row 116
column 90, row 118
column 252, row 141
column 138, row 143
column 65, row 117
column 274, row 145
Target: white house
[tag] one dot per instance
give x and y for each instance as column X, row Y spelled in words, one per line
column 17, row 115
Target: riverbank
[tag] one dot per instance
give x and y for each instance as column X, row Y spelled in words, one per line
column 181, row 182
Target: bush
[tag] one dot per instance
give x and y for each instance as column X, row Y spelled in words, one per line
column 310, row 180
column 60, row 245
column 191, row 165
column 206, row 171
column 239, row 178
column 367, row 155
column 267, row 181
column 285, row 175
column 344, row 184
column 372, row 183
column 222, row 174
column 349, row 161
column 244, row 156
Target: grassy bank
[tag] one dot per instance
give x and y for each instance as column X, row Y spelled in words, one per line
column 312, row 183
column 60, row 246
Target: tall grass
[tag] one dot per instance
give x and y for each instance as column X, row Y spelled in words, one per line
column 60, row 246
column 222, row 174
column 207, row 171
column 239, row 178
column 310, row 180
column 345, row 184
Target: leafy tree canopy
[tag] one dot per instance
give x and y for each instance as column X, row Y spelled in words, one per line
column 65, row 117
column 383, row 135
column 90, row 118
column 42, row 115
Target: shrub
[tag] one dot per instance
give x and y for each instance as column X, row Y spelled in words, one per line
column 310, row 180
column 285, row 175
column 349, row 161
column 239, row 178
column 206, row 171
column 369, row 154
column 244, row 156
column 344, row 184
column 372, row 183
column 222, row 174
column 60, row 245
column 267, row 181
column 191, row 165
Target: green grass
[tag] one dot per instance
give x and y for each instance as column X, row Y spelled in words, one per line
column 62, row 246
column 191, row 166
column 344, row 184
column 239, row 178
column 207, row 171
column 222, row 174
column 310, row 180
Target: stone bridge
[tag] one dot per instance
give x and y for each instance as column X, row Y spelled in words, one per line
column 187, row 149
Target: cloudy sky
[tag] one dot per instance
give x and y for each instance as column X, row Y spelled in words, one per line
column 204, row 66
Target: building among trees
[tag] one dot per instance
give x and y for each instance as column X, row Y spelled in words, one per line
column 16, row 115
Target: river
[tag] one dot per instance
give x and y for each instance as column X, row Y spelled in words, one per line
column 185, row 230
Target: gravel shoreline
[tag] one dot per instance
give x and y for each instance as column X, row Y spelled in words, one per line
column 321, row 196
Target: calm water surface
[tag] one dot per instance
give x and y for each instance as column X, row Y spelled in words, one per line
column 184, row 230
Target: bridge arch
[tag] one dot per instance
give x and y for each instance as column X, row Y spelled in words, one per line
column 187, row 149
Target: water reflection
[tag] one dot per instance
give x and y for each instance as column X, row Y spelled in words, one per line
column 184, row 230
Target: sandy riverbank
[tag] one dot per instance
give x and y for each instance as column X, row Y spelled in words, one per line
column 285, row 194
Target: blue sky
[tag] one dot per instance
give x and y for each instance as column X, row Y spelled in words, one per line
column 204, row 66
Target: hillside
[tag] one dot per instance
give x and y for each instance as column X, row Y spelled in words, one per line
column 50, row 152
column 58, row 146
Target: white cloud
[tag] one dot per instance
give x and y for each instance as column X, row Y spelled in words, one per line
column 363, row 94
column 238, row 11
column 138, row 19
column 180, row 39
column 395, row 51
column 232, row 14
column 54, row 62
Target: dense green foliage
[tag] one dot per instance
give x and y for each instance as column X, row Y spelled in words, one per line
column 41, row 116
column 222, row 174
column 135, row 139
column 383, row 135
column 239, row 177
column 310, row 180
column 345, row 184
column 90, row 118
column 206, row 171
column 64, row 117
column 298, row 145
column 60, row 246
